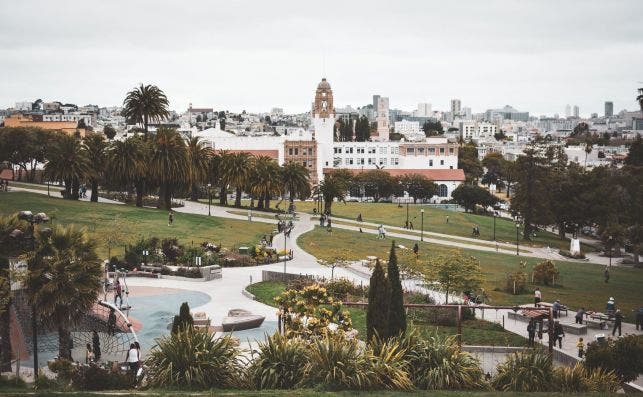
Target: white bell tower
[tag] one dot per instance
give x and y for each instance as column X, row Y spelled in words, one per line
column 323, row 115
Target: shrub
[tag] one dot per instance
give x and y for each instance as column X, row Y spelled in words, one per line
column 624, row 356
column 63, row 369
column 516, row 283
column 438, row 363
column 335, row 363
column 578, row 379
column 340, row 288
column 95, row 378
column 193, row 359
column 568, row 254
column 279, row 363
column 11, row 382
column 171, row 249
column 388, row 365
column 529, row 371
column 545, row 272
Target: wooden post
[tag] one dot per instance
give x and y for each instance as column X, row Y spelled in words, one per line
column 460, row 327
column 550, row 331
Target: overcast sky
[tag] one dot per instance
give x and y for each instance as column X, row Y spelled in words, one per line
column 534, row 55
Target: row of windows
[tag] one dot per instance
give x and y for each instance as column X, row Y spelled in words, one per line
column 368, row 161
column 304, row 152
column 362, row 150
column 420, row 151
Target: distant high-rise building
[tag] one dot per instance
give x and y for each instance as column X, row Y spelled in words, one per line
column 466, row 113
column 609, row 109
column 568, row 110
column 423, row 110
column 576, row 111
column 381, row 110
column 455, row 107
column 506, row 113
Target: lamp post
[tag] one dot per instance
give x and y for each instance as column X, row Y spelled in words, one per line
column 209, row 197
column 422, row 225
column 33, row 220
column 145, row 254
column 517, row 238
column 495, row 214
column 407, row 213
column 609, row 239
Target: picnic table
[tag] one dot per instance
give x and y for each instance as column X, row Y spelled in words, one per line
column 563, row 308
column 598, row 319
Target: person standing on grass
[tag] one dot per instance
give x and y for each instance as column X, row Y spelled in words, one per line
column 170, row 218
column 359, row 217
column 581, row 347
column 447, row 218
column 416, row 249
column 537, row 297
column 618, row 319
column 606, row 274
column 639, row 318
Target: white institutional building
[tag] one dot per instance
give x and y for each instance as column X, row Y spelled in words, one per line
column 435, row 158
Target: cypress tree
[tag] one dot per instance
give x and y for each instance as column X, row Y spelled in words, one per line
column 397, row 315
column 379, row 295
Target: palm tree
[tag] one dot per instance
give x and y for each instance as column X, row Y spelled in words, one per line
column 236, row 172
column 639, row 98
column 127, row 165
column 67, row 162
column 296, row 180
column 199, row 164
column 95, row 147
column 64, row 281
column 334, row 186
column 145, row 104
column 169, row 164
column 265, row 180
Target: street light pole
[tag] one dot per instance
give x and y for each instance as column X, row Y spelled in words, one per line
column 495, row 213
column 517, row 238
column 610, row 248
column 209, row 197
column 422, row 225
column 407, row 213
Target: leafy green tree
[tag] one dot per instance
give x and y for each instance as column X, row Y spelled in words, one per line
column 624, row 356
column 453, row 272
column 397, row 314
column 469, row 162
column 199, row 156
column 96, row 149
column 236, row 170
column 109, row 131
column 145, row 104
column 377, row 183
column 493, row 162
column 500, row 136
column 469, row 196
column 67, row 162
column 532, row 197
column 432, row 128
column 635, row 152
column 265, row 181
column 296, row 179
column 127, row 165
column 169, row 164
column 334, row 186
column 362, row 129
column 64, row 280
column 418, row 186
column 379, row 298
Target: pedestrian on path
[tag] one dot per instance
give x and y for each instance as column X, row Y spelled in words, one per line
column 537, row 297
column 359, row 218
column 531, row 332
column 581, row 347
column 416, row 249
column 556, row 308
column 322, row 219
column 610, row 307
column 559, row 334
column 639, row 318
column 329, row 227
column 618, row 319
column 170, row 218
column 447, row 218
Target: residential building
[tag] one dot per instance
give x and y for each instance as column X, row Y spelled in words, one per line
column 23, row 106
column 506, row 113
column 19, row 120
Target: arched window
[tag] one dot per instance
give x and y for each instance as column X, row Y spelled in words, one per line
column 443, row 191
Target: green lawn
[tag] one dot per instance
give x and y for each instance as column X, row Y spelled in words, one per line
column 581, row 284
column 131, row 222
column 435, row 220
column 474, row 332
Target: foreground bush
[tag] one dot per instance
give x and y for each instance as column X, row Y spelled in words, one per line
column 194, row 359
column 279, row 363
column 624, row 356
column 578, row 379
column 335, row 363
column 529, row 371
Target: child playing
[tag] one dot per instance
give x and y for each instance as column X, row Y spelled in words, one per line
column 580, row 345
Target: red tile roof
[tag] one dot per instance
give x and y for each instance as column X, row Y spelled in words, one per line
column 270, row 153
column 6, row 174
column 434, row 175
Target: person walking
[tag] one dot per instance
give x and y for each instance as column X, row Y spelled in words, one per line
column 581, row 347
column 639, row 318
column 447, row 218
column 133, row 360
column 411, row 225
column 416, row 249
column 579, row 315
column 329, row 226
column 531, row 332
column 359, row 217
column 322, row 220
column 118, row 293
column 556, row 308
column 610, row 307
column 96, row 345
column 537, row 297
column 383, row 232
column 606, row 274
column 559, row 334
column 89, row 355
column 618, row 319
column 170, row 218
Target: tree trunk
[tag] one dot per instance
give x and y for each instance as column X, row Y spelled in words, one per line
column 139, row 193
column 167, row 198
column 75, row 187
column 237, row 199
column 266, row 200
column 194, row 192
column 260, row 203
column 68, row 189
column 561, row 230
column 223, row 196
column 94, row 197
column 5, row 334
column 64, row 343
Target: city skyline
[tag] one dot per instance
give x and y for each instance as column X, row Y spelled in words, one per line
column 236, row 57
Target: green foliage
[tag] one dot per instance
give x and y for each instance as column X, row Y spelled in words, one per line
column 184, row 320
column 624, row 356
column 516, row 283
column 194, row 359
column 379, row 298
column 469, row 196
column 469, row 162
column 338, row 364
column 545, row 273
column 579, row 379
column 454, row 272
column 388, row 366
column 432, row 128
column 341, row 288
column 278, row 363
column 95, row 378
column 529, row 371
column 397, row 313
column 377, row 184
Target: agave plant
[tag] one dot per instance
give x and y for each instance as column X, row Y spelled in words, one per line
column 581, row 379
column 529, row 371
column 388, row 364
column 336, row 363
column 279, row 363
column 194, row 359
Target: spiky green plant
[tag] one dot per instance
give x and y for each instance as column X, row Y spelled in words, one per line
column 335, row 363
column 600, row 380
column 389, row 366
column 194, row 359
column 279, row 363
column 529, row 371
column 578, row 379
